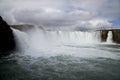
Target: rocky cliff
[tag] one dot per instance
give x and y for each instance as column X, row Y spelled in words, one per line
column 7, row 42
column 115, row 35
column 104, row 35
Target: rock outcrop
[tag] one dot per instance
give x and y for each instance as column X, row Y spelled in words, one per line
column 7, row 42
column 115, row 35
column 104, row 35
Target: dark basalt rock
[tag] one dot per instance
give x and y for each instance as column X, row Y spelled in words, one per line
column 7, row 42
column 104, row 35
column 115, row 35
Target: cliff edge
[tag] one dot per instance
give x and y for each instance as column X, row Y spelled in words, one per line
column 115, row 35
column 7, row 42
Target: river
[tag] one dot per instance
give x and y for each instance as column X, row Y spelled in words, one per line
column 61, row 55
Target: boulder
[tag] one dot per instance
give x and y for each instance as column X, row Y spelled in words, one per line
column 7, row 42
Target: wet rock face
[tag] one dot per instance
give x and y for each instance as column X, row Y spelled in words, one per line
column 115, row 35
column 7, row 42
column 104, row 35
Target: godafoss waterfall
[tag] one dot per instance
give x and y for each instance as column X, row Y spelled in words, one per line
column 59, row 39
column 61, row 55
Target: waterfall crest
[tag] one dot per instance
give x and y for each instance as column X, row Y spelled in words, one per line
column 41, row 39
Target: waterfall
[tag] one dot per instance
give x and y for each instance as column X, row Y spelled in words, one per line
column 41, row 39
column 51, row 38
column 22, row 39
column 109, row 37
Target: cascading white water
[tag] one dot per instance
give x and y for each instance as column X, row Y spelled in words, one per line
column 49, row 38
column 109, row 37
column 22, row 40
column 38, row 38
column 39, row 42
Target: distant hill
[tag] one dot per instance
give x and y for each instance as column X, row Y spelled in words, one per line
column 22, row 27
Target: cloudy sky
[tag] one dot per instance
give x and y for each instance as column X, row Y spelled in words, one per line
column 62, row 13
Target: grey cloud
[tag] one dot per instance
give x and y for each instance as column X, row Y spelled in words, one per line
column 60, row 12
column 40, row 17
